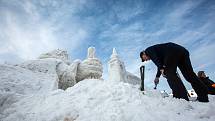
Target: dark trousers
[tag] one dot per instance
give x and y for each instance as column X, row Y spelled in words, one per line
column 183, row 62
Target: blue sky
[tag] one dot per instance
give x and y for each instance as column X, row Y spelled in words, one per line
column 31, row 27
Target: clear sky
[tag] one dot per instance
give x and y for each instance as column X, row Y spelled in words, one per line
column 31, row 27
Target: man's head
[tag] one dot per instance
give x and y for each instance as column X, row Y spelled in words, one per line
column 201, row 74
column 143, row 56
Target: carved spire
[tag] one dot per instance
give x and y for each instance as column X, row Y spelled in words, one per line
column 114, row 53
column 91, row 52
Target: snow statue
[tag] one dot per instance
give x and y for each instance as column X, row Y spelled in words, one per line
column 90, row 68
column 68, row 73
column 117, row 71
column 91, row 52
column 58, row 54
column 116, row 68
column 56, row 65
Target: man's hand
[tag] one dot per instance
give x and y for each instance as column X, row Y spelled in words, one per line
column 162, row 72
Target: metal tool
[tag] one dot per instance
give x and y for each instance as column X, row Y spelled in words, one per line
column 142, row 69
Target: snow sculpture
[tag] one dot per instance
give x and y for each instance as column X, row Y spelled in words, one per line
column 58, row 54
column 67, row 74
column 90, row 68
column 91, row 52
column 117, row 71
column 133, row 79
column 116, row 68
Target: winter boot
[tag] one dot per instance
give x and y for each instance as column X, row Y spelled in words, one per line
column 203, row 99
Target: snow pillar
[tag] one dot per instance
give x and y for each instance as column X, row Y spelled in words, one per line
column 91, row 52
column 116, row 68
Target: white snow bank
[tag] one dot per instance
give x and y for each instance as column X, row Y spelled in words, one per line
column 16, row 82
column 24, row 81
column 96, row 100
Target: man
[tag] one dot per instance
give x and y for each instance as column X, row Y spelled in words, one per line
column 208, row 82
column 167, row 57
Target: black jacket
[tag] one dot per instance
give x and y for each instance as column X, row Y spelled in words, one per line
column 208, row 83
column 161, row 53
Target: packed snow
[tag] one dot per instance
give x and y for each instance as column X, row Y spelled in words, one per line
column 30, row 91
column 97, row 100
column 29, row 96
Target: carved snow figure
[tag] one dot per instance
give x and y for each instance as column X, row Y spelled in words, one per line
column 90, row 68
column 67, row 74
column 91, row 52
column 58, row 54
column 116, row 68
column 117, row 71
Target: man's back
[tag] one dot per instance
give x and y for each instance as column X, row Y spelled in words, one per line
column 166, row 49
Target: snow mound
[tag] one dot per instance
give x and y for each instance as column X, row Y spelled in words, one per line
column 24, row 81
column 16, row 82
column 96, row 100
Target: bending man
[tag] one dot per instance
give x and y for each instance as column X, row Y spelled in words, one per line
column 167, row 57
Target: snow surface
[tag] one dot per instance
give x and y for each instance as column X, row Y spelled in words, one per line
column 96, row 100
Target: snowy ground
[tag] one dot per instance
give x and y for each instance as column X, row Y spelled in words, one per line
column 89, row 100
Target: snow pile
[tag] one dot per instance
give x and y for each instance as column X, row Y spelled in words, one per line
column 16, row 82
column 24, row 81
column 96, row 100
